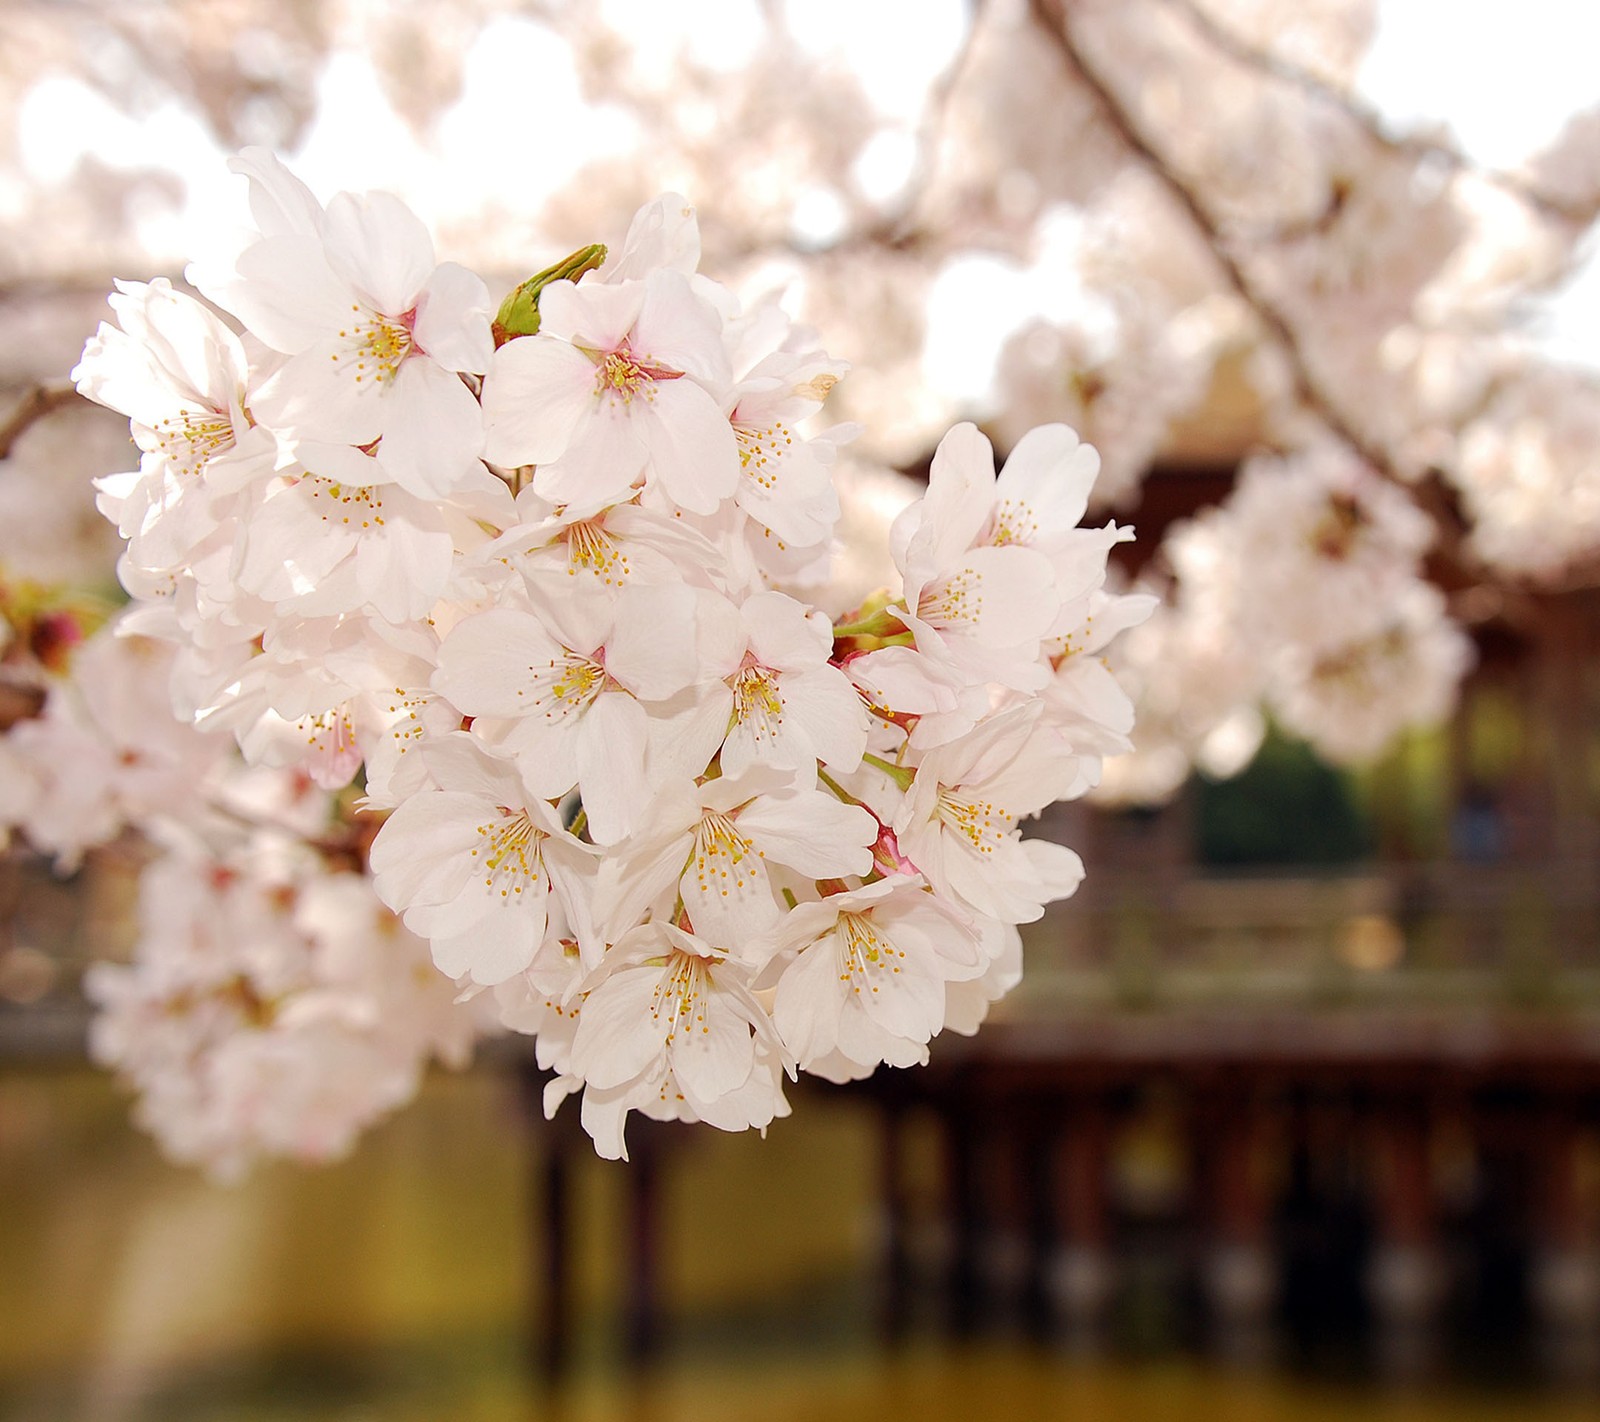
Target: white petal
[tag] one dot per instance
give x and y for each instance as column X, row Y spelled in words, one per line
column 692, row 448
column 534, row 395
column 452, row 325
column 380, row 247
column 619, row 1035
column 611, row 752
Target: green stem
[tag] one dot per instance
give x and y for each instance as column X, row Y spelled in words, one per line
column 836, row 787
column 902, row 775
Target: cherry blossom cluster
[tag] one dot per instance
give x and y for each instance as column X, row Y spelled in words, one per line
column 541, row 583
column 1304, row 592
column 274, row 1008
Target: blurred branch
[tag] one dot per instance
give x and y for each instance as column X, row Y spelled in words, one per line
column 1368, row 117
column 1052, row 19
column 1433, row 495
column 37, row 404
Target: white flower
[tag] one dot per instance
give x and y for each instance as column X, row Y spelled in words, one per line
column 672, row 1028
column 865, row 973
column 977, row 611
column 785, row 704
column 376, row 334
column 616, row 387
column 957, row 823
column 335, row 536
column 569, row 702
column 470, row 866
column 716, row 848
column 181, row 377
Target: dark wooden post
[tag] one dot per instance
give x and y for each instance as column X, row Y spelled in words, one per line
column 1081, row 1275
column 1406, row 1278
column 1239, row 1271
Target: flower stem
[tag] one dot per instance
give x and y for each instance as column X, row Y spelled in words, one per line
column 902, row 775
column 836, row 787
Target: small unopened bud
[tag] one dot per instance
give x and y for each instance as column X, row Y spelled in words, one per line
column 519, row 312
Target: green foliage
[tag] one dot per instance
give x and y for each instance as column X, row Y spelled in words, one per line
column 1286, row 808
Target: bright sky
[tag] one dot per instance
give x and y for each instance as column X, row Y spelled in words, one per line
column 1504, row 78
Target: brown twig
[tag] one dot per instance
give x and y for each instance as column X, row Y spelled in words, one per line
column 37, row 404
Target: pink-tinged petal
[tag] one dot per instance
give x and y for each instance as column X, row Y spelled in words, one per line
column 752, row 1106
column 750, row 744
column 402, row 569
column 811, row 832
column 1006, row 595
column 571, row 866
column 908, row 1004
column 725, row 888
column 452, row 325
column 604, row 1114
column 422, row 851
column 686, row 731
column 432, row 430
column 934, row 931
column 664, row 638
column 1002, row 884
column 546, row 753
column 1085, row 690
column 593, row 315
column 611, row 744
column 286, row 548
column 1115, row 615
column 960, row 496
column 1057, row 870
column 182, row 341
column 380, row 247
column 678, row 330
column 712, row 1053
column 536, row 392
column 627, row 886
column 903, row 679
column 784, row 634
column 619, row 1033
column 692, row 448
column 313, row 397
column 862, row 1039
column 458, row 762
column 987, row 749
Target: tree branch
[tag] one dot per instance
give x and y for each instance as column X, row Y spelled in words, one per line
column 37, row 404
column 1433, row 494
column 1052, row 19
